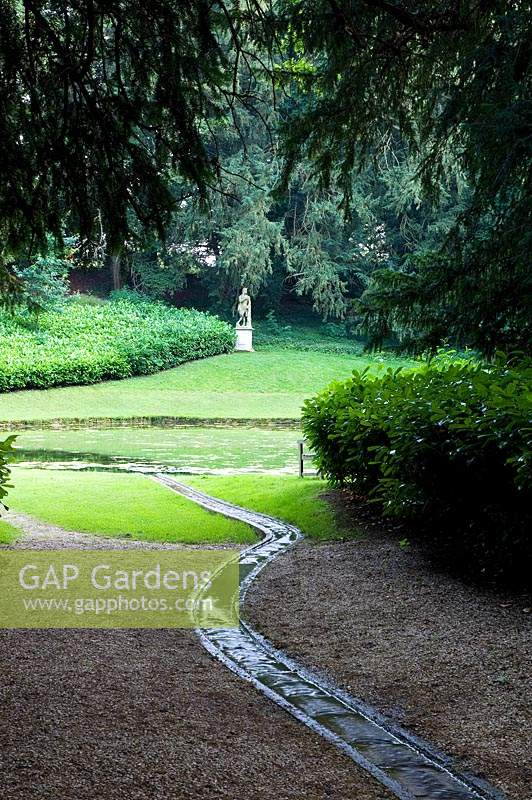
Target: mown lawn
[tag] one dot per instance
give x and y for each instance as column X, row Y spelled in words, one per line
column 295, row 500
column 260, row 385
column 113, row 504
column 7, row 532
column 119, row 505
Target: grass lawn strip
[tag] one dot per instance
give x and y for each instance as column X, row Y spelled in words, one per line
column 8, row 533
column 119, row 505
column 292, row 499
column 264, row 385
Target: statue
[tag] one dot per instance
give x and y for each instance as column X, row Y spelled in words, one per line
column 244, row 310
column 244, row 331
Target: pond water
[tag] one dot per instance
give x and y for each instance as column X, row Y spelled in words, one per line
column 214, row 451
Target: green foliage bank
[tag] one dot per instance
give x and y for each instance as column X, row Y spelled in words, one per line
column 446, row 448
column 86, row 343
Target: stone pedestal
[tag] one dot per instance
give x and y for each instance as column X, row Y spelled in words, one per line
column 244, row 339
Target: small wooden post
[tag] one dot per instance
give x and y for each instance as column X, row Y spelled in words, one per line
column 301, row 446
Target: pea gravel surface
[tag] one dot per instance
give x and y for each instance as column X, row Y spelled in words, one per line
column 149, row 715
column 448, row 661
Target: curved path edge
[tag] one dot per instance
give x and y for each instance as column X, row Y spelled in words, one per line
column 409, row 767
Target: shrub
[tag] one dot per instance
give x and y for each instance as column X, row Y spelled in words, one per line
column 44, row 283
column 445, row 447
column 6, row 454
column 87, row 343
column 272, row 334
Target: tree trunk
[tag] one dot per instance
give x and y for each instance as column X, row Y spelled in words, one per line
column 116, row 275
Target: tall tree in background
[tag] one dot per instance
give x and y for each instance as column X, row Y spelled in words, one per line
column 295, row 241
column 120, row 117
column 299, row 242
column 99, row 102
column 454, row 80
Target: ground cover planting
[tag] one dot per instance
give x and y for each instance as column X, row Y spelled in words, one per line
column 84, row 343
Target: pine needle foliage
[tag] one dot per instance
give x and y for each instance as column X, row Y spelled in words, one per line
column 453, row 80
column 99, row 100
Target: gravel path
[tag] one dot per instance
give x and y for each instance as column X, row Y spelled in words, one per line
column 448, row 661
column 148, row 715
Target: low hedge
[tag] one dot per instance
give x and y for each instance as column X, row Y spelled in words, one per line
column 86, row 343
column 446, row 448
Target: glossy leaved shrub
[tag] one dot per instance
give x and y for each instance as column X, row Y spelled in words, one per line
column 6, row 453
column 85, row 343
column 446, row 447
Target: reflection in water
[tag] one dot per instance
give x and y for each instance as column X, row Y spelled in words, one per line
column 407, row 767
column 216, row 451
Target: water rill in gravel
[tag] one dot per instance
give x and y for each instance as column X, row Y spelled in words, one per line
column 410, row 768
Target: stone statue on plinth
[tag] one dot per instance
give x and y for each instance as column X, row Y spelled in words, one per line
column 244, row 330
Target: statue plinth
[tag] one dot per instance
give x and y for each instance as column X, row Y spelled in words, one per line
column 244, row 338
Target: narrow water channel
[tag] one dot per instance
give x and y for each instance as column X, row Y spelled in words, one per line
column 408, row 767
column 411, row 769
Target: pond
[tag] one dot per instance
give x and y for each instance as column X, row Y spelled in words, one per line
column 215, row 451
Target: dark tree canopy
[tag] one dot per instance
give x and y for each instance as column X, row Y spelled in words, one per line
column 99, row 101
column 454, row 80
column 113, row 114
